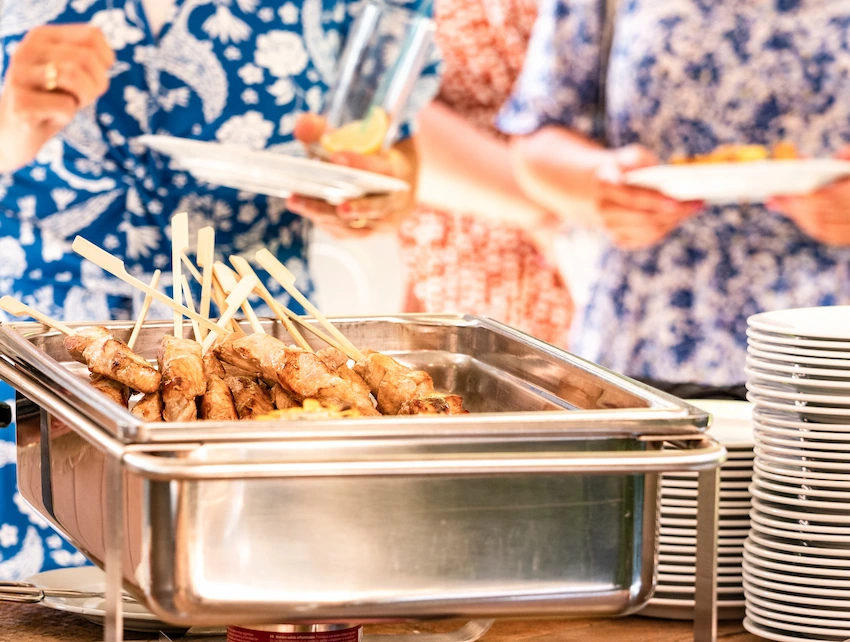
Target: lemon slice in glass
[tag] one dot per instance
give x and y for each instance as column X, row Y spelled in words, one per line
column 361, row 136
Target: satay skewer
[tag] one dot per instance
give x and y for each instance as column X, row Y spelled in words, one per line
column 234, row 301
column 243, row 269
column 205, row 256
column 179, row 244
column 187, row 294
column 217, row 293
column 18, row 309
column 146, row 306
column 227, row 278
column 283, row 276
column 115, row 267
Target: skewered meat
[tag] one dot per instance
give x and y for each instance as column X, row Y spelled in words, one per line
column 435, row 404
column 252, row 399
column 337, row 363
column 118, row 392
column 282, row 399
column 300, row 372
column 183, row 379
column 149, row 407
column 217, row 402
column 105, row 355
column 392, row 383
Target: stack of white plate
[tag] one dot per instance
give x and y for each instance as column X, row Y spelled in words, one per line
column 797, row 557
column 674, row 593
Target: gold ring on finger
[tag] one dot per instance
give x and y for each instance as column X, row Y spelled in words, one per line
column 360, row 223
column 51, row 76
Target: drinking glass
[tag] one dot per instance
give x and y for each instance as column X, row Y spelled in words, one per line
column 386, row 50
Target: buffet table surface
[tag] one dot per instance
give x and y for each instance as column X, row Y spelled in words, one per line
column 33, row 623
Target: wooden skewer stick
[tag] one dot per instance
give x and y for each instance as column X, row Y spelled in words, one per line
column 179, row 244
column 115, row 267
column 18, row 309
column 146, row 306
column 205, row 257
column 217, row 293
column 227, row 278
column 287, row 279
column 187, row 263
column 234, row 301
column 243, row 268
column 187, row 294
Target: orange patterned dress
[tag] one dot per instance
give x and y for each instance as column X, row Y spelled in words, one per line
column 461, row 261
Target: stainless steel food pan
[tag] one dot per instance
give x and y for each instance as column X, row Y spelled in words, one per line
column 543, row 501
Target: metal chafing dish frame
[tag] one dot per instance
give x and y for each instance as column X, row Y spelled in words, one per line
column 130, row 445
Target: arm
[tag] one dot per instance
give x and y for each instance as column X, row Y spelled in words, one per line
column 464, row 168
column 557, row 169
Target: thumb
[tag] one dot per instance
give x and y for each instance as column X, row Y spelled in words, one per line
column 634, row 157
column 309, row 128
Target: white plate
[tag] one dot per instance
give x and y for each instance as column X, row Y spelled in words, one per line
column 834, row 564
column 753, row 182
column 775, row 521
column 798, row 623
column 795, row 382
column 790, row 476
column 806, row 435
column 668, row 609
column 732, row 569
column 800, row 488
column 91, row 579
column 836, row 554
column 775, row 349
column 689, row 590
column 769, row 417
column 678, row 580
column 731, row 423
column 677, row 511
column 797, row 342
column 839, row 508
column 811, row 458
column 766, row 559
column 799, row 583
column 806, row 594
column 691, row 504
column 771, row 633
column 789, row 368
column 821, row 519
column 842, row 401
column 824, row 414
column 736, row 484
column 771, row 355
column 270, row 172
column 775, row 600
column 823, row 323
column 786, row 532
column 726, row 474
column 691, row 551
column 781, row 439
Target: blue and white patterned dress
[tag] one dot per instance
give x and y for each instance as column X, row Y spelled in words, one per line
column 684, row 77
column 235, row 71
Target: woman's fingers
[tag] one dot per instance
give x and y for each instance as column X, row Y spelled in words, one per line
column 309, row 128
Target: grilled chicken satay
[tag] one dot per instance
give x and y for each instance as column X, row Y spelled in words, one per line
column 282, row 399
column 251, row 397
column 392, row 383
column 149, row 407
column 301, row 373
column 217, row 402
column 105, row 355
column 118, row 392
column 435, row 404
column 183, row 379
column 337, row 363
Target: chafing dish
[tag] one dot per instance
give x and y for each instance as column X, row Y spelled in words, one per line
column 543, row 501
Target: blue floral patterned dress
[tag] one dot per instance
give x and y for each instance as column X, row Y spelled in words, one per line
column 235, row 71
column 684, row 77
